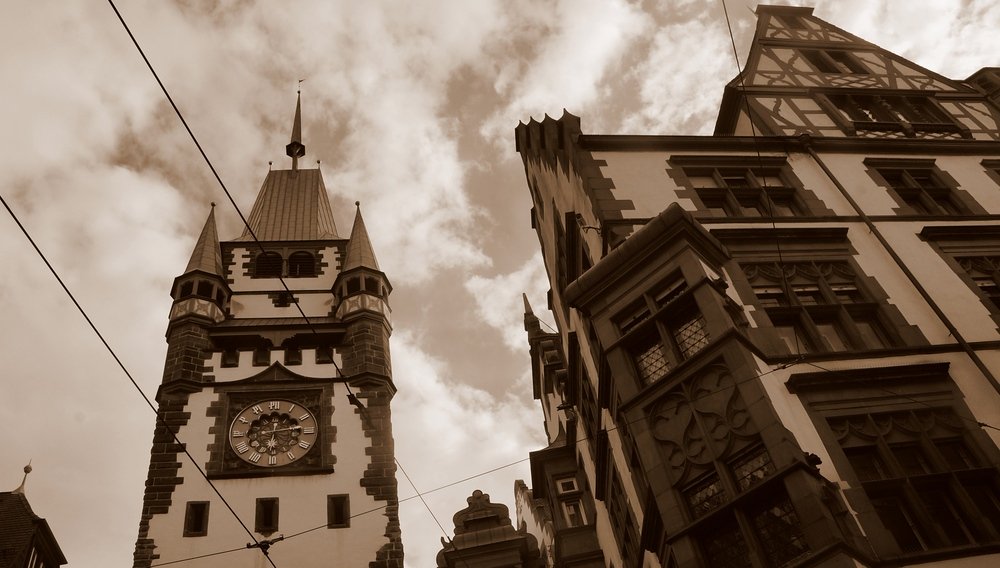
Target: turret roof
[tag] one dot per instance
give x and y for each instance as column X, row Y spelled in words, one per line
column 207, row 255
column 359, row 249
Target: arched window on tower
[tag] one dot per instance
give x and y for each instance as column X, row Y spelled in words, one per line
column 301, row 264
column 267, row 265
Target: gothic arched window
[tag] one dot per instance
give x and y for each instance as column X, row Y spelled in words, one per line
column 301, row 264
column 268, row 265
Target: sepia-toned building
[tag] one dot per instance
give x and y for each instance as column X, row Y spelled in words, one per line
column 778, row 345
column 277, row 384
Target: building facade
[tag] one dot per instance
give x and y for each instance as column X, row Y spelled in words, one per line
column 777, row 345
column 276, row 394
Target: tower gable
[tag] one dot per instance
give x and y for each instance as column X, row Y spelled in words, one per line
column 806, row 76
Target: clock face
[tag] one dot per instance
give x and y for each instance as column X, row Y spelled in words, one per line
column 273, row 433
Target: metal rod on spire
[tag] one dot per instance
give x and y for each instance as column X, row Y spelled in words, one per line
column 295, row 149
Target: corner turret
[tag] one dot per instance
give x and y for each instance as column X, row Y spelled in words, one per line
column 202, row 291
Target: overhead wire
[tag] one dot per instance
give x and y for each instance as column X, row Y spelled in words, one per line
column 351, row 396
column 121, row 365
column 769, row 202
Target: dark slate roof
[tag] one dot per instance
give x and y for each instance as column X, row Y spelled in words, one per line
column 359, row 247
column 207, row 255
column 292, row 206
column 18, row 524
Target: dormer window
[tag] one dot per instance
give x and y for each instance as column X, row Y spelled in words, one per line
column 267, row 265
column 301, row 264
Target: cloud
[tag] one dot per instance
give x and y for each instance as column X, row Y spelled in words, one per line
column 445, row 431
column 566, row 59
column 671, row 82
column 499, row 303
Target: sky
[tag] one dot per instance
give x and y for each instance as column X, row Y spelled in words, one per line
column 410, row 108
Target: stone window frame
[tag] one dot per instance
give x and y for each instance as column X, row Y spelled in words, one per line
column 757, row 197
column 266, row 515
column 939, row 193
column 338, row 511
column 890, row 393
column 961, row 244
column 830, row 313
column 789, row 245
column 661, row 329
column 196, row 518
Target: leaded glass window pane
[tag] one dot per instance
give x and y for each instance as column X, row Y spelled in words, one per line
column 705, row 496
column 777, row 526
column 650, row 362
column 691, row 336
column 749, row 469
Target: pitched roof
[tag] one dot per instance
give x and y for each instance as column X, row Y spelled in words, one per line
column 207, row 255
column 359, row 247
column 292, row 206
column 18, row 526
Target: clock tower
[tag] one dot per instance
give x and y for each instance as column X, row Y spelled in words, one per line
column 273, row 440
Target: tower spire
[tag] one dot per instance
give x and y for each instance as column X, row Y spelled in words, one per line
column 296, row 149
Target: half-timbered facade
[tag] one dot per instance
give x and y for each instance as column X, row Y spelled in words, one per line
column 777, row 345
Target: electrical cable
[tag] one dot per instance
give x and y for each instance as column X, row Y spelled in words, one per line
column 366, row 512
column 351, row 396
column 760, row 164
column 128, row 374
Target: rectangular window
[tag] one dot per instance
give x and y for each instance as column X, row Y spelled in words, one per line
column 230, row 358
column 261, row 357
column 293, row 356
column 196, row 518
column 338, row 511
column 660, row 337
column 922, row 191
column 921, row 466
column 817, row 306
column 266, row 519
column 573, row 513
column 744, row 191
column 566, row 485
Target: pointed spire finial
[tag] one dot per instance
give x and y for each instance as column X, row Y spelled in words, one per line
column 20, row 488
column 295, row 149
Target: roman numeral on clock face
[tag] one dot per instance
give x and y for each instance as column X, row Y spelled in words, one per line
column 254, row 457
column 242, row 448
column 271, row 460
column 290, row 455
column 274, row 405
column 309, row 430
column 304, row 445
column 305, row 417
